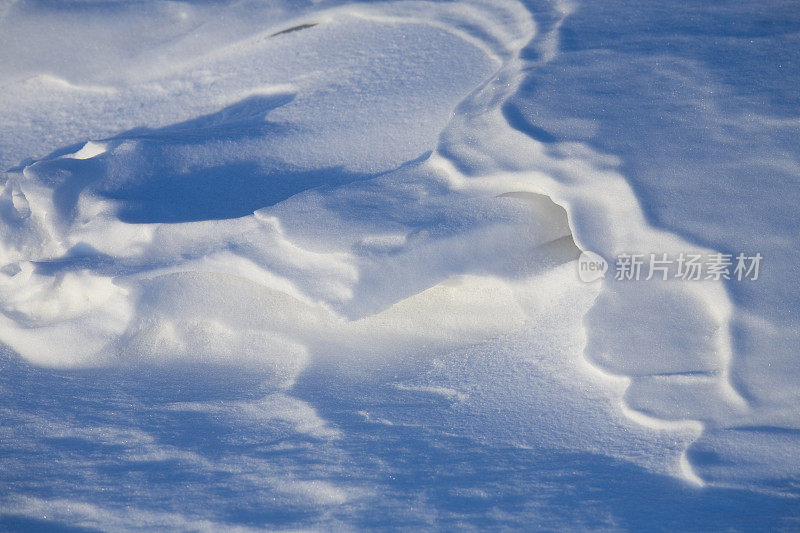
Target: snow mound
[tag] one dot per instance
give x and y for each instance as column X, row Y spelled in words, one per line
column 293, row 246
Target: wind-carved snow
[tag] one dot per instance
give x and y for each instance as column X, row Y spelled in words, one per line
column 336, row 228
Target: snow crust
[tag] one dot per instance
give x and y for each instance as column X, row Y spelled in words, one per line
column 317, row 262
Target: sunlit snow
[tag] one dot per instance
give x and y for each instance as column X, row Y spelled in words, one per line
column 280, row 264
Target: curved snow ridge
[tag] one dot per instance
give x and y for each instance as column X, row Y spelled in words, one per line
column 380, row 209
column 96, row 277
column 48, row 82
column 496, row 28
column 79, row 264
column 671, row 339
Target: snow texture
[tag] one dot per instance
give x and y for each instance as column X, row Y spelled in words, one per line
column 285, row 265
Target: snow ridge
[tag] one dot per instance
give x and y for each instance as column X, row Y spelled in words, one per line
column 352, row 196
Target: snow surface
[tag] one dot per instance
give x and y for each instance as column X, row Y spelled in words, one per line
column 280, row 265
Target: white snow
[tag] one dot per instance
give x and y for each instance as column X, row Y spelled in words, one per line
column 315, row 273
